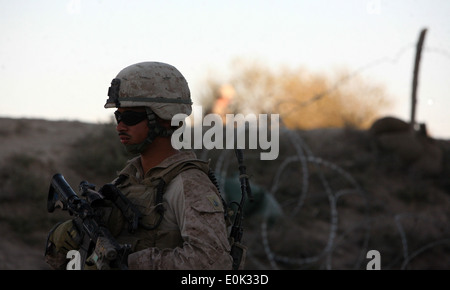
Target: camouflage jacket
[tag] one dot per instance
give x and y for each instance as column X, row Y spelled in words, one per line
column 192, row 233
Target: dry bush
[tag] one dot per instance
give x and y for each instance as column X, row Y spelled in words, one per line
column 23, row 195
column 304, row 99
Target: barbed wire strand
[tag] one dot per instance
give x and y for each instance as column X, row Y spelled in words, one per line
column 355, row 73
column 333, row 220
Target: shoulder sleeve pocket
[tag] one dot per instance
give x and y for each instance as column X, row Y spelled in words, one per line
column 210, row 204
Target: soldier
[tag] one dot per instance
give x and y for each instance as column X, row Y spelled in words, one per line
column 182, row 224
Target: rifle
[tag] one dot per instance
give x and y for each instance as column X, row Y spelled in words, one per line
column 237, row 249
column 98, row 245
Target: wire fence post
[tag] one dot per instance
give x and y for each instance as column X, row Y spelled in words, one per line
column 416, row 76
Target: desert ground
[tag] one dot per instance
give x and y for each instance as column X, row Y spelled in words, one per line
column 330, row 197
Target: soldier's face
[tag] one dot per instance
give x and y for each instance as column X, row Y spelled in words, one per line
column 132, row 125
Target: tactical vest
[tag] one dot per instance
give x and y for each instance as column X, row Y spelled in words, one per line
column 147, row 195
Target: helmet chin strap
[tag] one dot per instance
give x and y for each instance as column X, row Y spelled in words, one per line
column 155, row 130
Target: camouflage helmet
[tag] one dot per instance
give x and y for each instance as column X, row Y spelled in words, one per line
column 156, row 85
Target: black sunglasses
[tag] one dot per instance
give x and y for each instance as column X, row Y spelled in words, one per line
column 130, row 118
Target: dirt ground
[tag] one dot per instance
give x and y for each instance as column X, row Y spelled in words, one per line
column 45, row 140
column 17, row 255
column 403, row 216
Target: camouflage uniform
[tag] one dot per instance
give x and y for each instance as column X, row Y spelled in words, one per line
column 192, row 233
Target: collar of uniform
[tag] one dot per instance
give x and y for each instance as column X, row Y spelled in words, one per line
column 134, row 167
column 176, row 158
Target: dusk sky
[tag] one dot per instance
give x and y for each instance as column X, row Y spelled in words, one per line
column 58, row 57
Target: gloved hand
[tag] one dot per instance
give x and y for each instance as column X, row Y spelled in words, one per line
column 62, row 238
column 107, row 256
